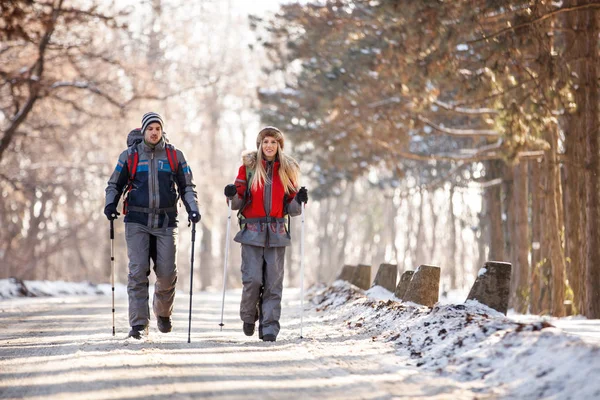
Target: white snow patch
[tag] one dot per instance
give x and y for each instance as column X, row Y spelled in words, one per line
column 12, row 287
column 482, row 271
column 471, row 342
column 379, row 293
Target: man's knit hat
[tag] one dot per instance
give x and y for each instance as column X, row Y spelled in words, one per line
column 273, row 132
column 149, row 118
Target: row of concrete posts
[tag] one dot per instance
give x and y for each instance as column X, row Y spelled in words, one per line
column 423, row 285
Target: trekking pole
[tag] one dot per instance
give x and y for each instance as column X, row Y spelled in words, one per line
column 112, row 270
column 225, row 262
column 302, row 270
column 191, row 279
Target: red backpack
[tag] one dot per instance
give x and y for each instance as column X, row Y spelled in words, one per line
column 133, row 139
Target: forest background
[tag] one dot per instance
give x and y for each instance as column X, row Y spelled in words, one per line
column 429, row 132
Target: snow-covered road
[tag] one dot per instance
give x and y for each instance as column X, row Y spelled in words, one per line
column 52, row 348
column 356, row 345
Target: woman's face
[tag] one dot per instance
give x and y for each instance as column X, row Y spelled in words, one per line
column 269, row 148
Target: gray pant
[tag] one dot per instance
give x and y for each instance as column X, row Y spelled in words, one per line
column 165, row 267
column 262, row 278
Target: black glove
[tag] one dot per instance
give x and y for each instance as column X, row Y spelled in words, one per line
column 230, row 191
column 111, row 211
column 194, row 216
column 302, row 195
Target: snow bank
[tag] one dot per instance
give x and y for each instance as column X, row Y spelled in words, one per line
column 471, row 342
column 12, row 287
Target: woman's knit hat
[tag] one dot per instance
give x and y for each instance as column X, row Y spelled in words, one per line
column 149, row 118
column 270, row 131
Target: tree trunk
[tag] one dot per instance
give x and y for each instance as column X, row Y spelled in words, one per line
column 508, row 225
column 345, row 215
column 520, row 248
column 420, row 254
column 434, row 224
column 393, row 213
column 452, row 268
column 586, row 98
column 553, row 224
column 573, row 169
column 493, row 206
column 536, row 217
column 409, row 229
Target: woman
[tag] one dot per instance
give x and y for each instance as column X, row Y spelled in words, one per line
column 265, row 193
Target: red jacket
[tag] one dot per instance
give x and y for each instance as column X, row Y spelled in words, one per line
column 255, row 206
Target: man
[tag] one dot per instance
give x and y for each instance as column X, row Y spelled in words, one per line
column 148, row 172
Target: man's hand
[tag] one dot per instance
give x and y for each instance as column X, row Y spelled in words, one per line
column 194, row 217
column 111, row 211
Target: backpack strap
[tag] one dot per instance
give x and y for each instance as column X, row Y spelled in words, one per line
column 133, row 159
column 246, row 200
column 172, row 157
column 249, row 173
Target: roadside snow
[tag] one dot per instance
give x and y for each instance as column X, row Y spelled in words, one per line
column 471, row 342
column 12, row 287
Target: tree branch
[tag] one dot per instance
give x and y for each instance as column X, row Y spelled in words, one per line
column 480, row 154
column 459, row 132
column 463, row 110
column 533, row 21
column 34, row 87
column 90, row 87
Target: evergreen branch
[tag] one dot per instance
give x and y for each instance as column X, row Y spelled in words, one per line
column 533, row 21
column 459, row 132
column 463, row 110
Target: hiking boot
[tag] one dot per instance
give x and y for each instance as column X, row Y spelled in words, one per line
column 248, row 329
column 137, row 331
column 269, row 338
column 164, row 324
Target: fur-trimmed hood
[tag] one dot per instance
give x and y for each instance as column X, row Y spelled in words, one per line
column 249, row 159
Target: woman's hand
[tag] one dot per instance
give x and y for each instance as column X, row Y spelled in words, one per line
column 302, row 195
column 230, row 191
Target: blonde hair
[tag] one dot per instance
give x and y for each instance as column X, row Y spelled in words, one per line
column 289, row 170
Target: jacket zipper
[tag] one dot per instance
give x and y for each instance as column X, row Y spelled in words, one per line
column 153, row 187
column 270, row 199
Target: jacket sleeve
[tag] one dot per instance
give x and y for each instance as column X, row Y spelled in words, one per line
column 240, row 185
column 117, row 181
column 293, row 208
column 186, row 185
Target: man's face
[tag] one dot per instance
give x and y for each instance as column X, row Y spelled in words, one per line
column 153, row 133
